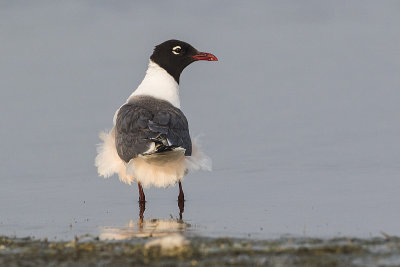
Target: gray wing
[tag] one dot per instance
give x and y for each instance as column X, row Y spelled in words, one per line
column 138, row 126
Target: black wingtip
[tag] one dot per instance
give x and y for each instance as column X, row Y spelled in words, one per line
column 163, row 148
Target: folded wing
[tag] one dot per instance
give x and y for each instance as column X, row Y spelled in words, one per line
column 147, row 125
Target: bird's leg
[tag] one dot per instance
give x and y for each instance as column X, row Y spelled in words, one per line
column 181, row 201
column 181, row 206
column 181, row 197
column 142, row 208
column 142, row 198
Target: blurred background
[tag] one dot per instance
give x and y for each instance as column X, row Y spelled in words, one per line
column 300, row 114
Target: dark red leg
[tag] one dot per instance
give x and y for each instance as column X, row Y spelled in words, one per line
column 181, row 206
column 181, row 196
column 142, row 198
column 142, row 208
column 181, row 201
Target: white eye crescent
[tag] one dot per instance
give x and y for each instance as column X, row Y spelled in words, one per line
column 176, row 49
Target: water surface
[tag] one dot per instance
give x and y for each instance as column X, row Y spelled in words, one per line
column 300, row 116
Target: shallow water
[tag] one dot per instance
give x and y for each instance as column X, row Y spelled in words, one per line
column 300, row 116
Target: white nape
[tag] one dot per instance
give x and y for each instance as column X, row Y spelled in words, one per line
column 159, row 84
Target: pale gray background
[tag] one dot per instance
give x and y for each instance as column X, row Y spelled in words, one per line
column 300, row 115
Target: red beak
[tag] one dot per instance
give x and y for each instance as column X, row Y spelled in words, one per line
column 205, row 56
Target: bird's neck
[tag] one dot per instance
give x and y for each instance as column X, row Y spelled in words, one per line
column 158, row 83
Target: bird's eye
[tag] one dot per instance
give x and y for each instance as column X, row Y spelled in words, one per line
column 176, row 49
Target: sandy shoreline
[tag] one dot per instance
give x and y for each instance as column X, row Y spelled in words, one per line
column 200, row 251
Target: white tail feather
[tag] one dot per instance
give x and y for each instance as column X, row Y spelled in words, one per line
column 161, row 175
column 107, row 161
column 198, row 160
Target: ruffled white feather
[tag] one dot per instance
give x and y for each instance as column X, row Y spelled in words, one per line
column 158, row 170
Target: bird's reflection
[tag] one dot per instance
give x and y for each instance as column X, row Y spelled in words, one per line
column 147, row 228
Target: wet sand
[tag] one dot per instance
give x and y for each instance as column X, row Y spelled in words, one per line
column 199, row 251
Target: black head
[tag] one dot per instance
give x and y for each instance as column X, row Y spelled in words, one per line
column 174, row 56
